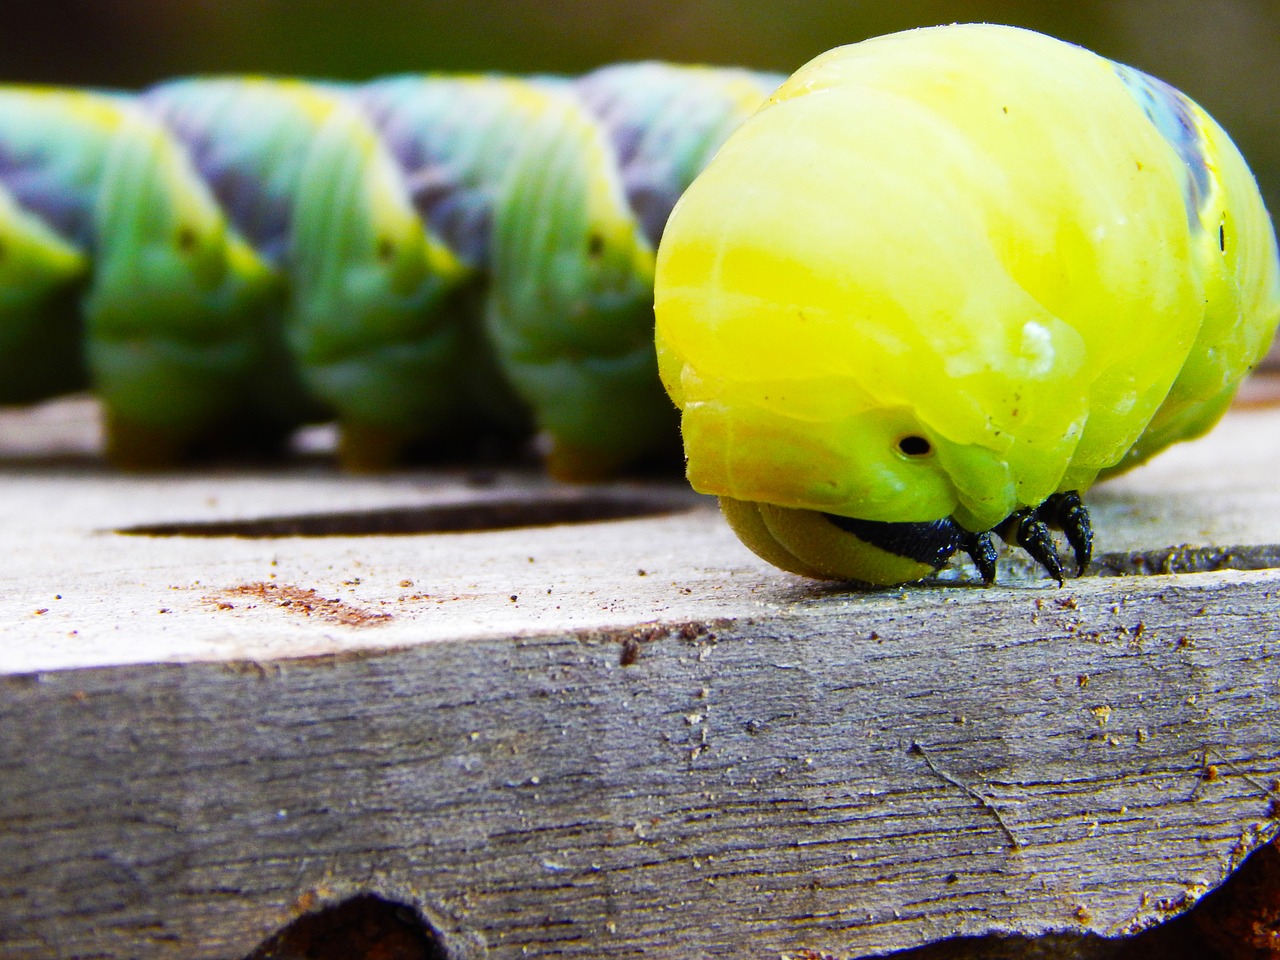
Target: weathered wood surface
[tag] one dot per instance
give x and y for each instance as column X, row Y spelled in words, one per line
column 710, row 759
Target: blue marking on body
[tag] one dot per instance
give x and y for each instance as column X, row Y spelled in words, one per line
column 1171, row 114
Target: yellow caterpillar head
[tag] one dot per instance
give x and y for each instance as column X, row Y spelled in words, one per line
column 941, row 276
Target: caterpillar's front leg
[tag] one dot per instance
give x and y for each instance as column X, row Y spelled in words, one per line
column 1068, row 513
column 1029, row 528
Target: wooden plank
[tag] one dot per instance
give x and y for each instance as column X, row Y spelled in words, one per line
column 200, row 736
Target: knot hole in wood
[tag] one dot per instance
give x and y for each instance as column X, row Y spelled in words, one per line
column 363, row 926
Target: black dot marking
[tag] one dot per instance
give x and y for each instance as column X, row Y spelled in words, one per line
column 595, row 245
column 914, row 446
column 186, row 239
column 386, row 249
column 1222, row 237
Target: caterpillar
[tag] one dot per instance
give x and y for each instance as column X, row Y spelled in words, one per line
column 423, row 258
column 985, row 269
column 930, row 287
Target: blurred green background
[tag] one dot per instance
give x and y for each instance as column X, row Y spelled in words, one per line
column 1224, row 53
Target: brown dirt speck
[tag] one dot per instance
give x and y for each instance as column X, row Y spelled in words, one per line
column 630, row 652
column 299, row 600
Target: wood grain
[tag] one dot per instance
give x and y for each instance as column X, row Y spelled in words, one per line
column 780, row 766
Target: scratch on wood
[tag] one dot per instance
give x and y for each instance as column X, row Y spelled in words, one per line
column 1210, row 773
column 1268, row 790
column 918, row 749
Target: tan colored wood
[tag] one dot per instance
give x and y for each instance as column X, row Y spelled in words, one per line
column 199, row 735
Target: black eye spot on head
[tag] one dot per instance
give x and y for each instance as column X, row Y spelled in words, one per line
column 186, row 239
column 914, row 446
column 1222, row 237
column 386, row 249
column 595, row 246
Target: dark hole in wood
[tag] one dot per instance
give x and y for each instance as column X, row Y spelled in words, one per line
column 1186, row 559
column 489, row 513
column 362, row 928
column 1241, row 919
column 1145, row 563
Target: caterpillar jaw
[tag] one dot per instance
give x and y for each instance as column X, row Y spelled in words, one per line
column 830, row 547
column 807, row 542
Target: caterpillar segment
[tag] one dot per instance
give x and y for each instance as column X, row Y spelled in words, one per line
column 538, row 181
column 42, row 279
column 303, row 172
column 571, row 310
column 165, row 314
column 454, row 137
column 665, row 124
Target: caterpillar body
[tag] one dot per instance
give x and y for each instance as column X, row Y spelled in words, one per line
column 420, row 257
column 933, row 287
